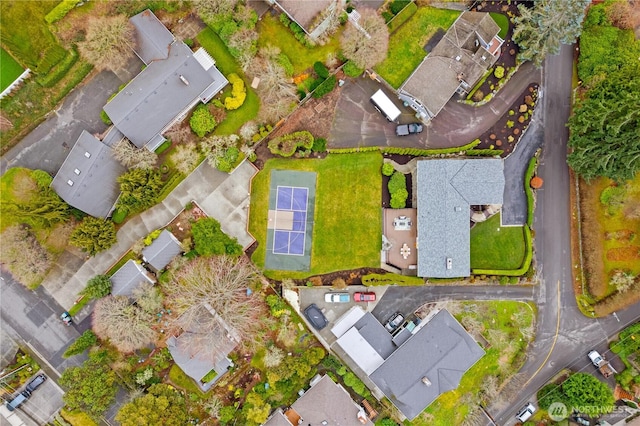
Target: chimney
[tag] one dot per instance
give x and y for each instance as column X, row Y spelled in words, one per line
column 184, row 80
column 426, row 381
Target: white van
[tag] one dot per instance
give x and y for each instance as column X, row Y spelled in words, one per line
column 526, row 413
column 385, row 106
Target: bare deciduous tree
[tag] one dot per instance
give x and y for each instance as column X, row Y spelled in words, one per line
column 208, row 9
column 273, row 357
column 185, row 157
column 23, row 256
column 134, row 158
column 366, row 42
column 622, row 281
column 217, row 283
column 214, row 147
column 624, row 14
column 148, row 298
column 109, row 41
column 244, row 41
column 277, row 93
column 126, row 325
column 248, row 129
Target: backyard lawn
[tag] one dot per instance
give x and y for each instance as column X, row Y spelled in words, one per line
column 10, row 69
column 347, row 225
column 496, row 247
column 502, row 21
column 501, row 323
column 406, row 45
column 227, row 65
column 273, row 32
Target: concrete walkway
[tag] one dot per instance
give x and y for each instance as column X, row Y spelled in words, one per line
column 221, row 195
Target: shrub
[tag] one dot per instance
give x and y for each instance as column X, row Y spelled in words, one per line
column 321, row 70
column 388, row 16
column 277, row 305
column 238, row 93
column 352, row 70
column 210, row 240
column 286, row 145
column 387, row 169
column 202, row 122
column 397, row 181
column 227, row 162
column 284, row 19
column 188, row 42
column 390, row 279
column 319, row 145
column 60, row 11
column 97, row 287
column 82, row 343
column 510, row 123
column 499, row 72
column 325, row 87
column 612, row 195
column 284, row 61
column 119, row 214
column 397, row 5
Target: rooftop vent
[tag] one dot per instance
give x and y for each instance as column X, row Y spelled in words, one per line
column 87, row 154
column 458, row 58
column 70, row 182
column 426, row 381
column 76, row 171
column 458, row 208
column 184, row 80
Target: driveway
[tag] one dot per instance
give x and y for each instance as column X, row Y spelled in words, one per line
column 47, row 146
column 357, row 123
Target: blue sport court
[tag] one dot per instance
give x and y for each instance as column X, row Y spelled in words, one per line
column 290, row 220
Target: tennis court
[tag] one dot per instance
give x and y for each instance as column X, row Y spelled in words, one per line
column 290, row 220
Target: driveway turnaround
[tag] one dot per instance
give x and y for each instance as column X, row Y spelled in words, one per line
column 221, row 195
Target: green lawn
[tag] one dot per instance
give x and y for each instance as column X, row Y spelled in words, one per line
column 348, row 218
column 406, row 45
column 227, row 65
column 273, row 32
column 503, row 23
column 502, row 322
column 496, row 247
column 10, row 69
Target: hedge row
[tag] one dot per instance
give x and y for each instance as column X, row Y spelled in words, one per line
column 287, row 145
column 402, row 17
column 531, row 168
column 411, row 151
column 485, row 152
column 325, row 87
column 50, row 57
column 526, row 263
column 60, row 11
column 390, row 279
column 59, row 70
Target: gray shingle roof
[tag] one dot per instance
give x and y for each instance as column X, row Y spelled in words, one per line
column 455, row 57
column 442, row 351
column 446, row 190
column 162, row 250
column 87, row 178
column 153, row 38
column 164, row 90
column 128, row 277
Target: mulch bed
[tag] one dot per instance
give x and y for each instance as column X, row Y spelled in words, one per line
column 497, row 137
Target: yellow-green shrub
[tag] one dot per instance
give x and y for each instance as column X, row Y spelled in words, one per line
column 238, row 92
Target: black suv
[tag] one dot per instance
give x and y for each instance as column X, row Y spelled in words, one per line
column 315, row 317
column 37, row 381
column 408, row 129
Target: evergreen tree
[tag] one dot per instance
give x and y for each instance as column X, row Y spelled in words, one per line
column 94, row 235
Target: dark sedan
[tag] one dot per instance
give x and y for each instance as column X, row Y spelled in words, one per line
column 408, row 129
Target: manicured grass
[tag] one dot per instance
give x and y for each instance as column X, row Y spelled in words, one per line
column 25, row 32
column 10, row 69
column 180, row 379
column 273, row 32
column 227, row 65
column 406, row 45
column 77, row 418
column 347, row 223
column 402, row 17
column 496, row 247
column 502, row 359
column 503, row 23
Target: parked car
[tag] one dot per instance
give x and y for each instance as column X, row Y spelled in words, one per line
column 526, row 412
column 36, row 382
column 66, row 318
column 393, row 323
column 17, row 401
column 362, row 296
column 408, row 129
column 315, row 316
column 601, row 364
column 337, row 297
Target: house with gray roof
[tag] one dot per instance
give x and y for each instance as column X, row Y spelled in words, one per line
column 174, row 81
column 161, row 251
column 128, row 278
column 87, row 180
column 416, row 364
column 467, row 50
column 199, row 361
column 325, row 403
column 313, row 16
column 447, row 188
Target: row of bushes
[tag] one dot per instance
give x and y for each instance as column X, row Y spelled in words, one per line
column 296, row 29
column 394, row 8
column 531, row 169
column 60, row 11
column 414, row 151
column 402, row 17
column 390, row 279
column 398, row 190
column 287, row 145
column 50, row 57
column 263, row 132
column 484, row 152
column 526, row 263
column 59, row 70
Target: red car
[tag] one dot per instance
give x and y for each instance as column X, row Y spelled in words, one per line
column 364, row 297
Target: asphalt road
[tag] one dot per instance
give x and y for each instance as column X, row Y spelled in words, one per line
column 563, row 334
